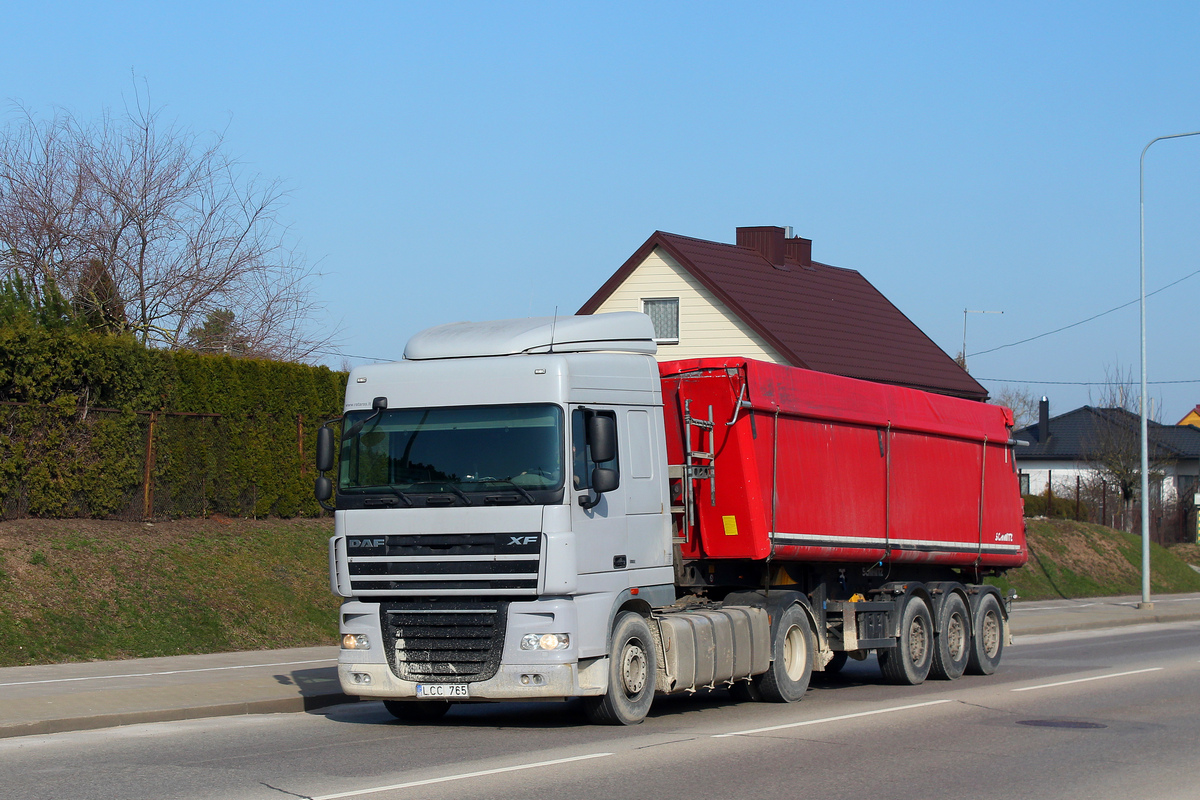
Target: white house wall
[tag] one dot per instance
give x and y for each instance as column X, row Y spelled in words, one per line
column 706, row 327
column 1064, row 474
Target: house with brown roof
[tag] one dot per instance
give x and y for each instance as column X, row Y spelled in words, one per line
column 764, row 297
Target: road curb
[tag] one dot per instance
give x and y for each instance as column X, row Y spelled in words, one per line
column 1143, row 618
column 285, row 705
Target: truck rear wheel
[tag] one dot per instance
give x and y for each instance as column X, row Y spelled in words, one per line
column 909, row 661
column 791, row 659
column 987, row 640
column 952, row 647
column 417, row 710
column 632, row 667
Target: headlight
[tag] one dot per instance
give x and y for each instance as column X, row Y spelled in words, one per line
column 355, row 641
column 545, row 641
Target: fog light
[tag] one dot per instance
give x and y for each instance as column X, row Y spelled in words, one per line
column 545, row 641
column 533, row 680
column 355, row 641
column 360, row 677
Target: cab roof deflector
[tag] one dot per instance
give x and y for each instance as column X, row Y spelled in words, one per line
column 622, row 331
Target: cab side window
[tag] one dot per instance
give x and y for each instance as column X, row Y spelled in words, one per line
column 581, row 453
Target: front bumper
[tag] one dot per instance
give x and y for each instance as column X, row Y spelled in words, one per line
column 528, row 675
column 511, row 681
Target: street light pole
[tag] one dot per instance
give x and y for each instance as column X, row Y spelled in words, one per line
column 1145, row 603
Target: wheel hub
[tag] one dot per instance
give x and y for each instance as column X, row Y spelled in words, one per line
column 991, row 635
column 956, row 636
column 633, row 668
column 918, row 640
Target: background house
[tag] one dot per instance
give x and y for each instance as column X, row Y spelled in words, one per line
column 1191, row 418
column 764, row 297
column 1096, row 452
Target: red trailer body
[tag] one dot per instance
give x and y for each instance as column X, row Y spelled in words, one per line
column 813, row 467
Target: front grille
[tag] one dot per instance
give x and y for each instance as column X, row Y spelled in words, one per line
column 444, row 641
column 447, row 564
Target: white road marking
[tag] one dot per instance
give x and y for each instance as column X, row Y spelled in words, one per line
column 832, row 719
column 169, row 672
column 1085, row 680
column 459, row 777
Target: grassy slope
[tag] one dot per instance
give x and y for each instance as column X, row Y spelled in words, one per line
column 84, row 589
column 73, row 590
column 1078, row 559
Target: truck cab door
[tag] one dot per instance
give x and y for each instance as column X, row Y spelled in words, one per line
column 602, row 531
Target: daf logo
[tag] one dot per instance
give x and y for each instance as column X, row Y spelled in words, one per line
column 521, row 540
column 380, row 542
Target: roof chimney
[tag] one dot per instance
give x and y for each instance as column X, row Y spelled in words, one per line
column 769, row 241
column 1043, row 419
column 799, row 250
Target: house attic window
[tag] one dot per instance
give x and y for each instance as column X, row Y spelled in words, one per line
column 664, row 313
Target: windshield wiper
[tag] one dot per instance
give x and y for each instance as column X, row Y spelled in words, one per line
column 449, row 486
column 509, row 483
column 408, row 502
column 388, row 488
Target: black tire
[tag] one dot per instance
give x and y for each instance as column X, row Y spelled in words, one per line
column 417, row 710
column 952, row 648
column 837, row 663
column 908, row 663
column 987, row 637
column 792, row 654
column 632, row 668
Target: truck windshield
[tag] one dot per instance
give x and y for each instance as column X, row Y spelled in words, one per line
column 514, row 450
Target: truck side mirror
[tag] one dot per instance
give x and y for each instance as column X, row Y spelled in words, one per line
column 604, row 480
column 602, row 437
column 324, row 449
column 323, row 489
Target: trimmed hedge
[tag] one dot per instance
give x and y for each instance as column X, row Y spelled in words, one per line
column 75, row 419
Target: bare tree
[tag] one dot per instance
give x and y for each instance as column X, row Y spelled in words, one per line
column 150, row 228
column 1114, row 441
column 1024, row 404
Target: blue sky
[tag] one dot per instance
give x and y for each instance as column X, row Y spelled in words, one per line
column 457, row 161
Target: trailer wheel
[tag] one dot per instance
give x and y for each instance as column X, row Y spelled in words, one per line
column 952, row 647
column 909, row 661
column 632, row 667
column 417, row 710
column 791, row 659
column 987, row 641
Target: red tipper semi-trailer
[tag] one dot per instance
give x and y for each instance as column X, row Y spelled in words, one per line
column 535, row 509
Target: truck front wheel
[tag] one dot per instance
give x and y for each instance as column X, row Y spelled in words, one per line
column 791, row 659
column 632, row 666
column 908, row 662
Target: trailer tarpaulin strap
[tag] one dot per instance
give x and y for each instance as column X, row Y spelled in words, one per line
column 887, row 499
column 982, row 487
column 774, row 490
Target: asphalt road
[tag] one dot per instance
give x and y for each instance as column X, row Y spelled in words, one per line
column 1101, row 714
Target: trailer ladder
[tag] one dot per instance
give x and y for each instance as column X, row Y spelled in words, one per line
column 698, row 463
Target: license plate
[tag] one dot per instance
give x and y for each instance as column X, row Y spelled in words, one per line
column 443, row 691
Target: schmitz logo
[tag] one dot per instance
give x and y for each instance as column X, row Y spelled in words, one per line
column 519, row 541
column 380, row 542
column 1004, row 537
